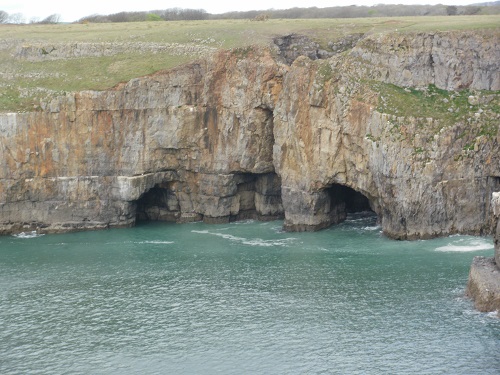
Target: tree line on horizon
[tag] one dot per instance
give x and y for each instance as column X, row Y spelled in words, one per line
column 355, row 11
column 352, row 11
column 18, row 18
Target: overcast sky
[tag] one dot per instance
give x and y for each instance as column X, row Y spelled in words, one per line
column 74, row 10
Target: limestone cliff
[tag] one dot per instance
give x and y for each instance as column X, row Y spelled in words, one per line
column 201, row 135
column 423, row 175
column 242, row 135
column 484, row 276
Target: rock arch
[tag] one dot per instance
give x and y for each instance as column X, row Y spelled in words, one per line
column 311, row 211
column 212, row 198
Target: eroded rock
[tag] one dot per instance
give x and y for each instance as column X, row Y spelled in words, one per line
column 484, row 276
column 241, row 135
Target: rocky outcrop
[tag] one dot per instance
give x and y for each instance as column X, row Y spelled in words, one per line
column 242, row 135
column 484, row 276
column 290, row 47
column 464, row 60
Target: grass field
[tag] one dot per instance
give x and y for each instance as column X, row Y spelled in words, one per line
column 137, row 49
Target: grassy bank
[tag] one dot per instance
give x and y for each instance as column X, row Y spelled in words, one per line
column 99, row 56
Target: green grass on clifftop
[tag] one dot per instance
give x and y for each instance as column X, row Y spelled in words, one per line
column 141, row 48
column 448, row 106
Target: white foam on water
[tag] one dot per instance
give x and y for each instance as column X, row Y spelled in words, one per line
column 268, row 243
column 351, row 220
column 376, row 227
column 241, row 222
column 466, row 245
column 223, row 229
column 278, row 229
column 493, row 314
column 246, row 241
column 32, row 234
column 155, row 242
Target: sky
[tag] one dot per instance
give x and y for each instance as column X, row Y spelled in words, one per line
column 74, row 10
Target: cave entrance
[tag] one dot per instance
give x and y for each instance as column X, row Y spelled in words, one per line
column 251, row 196
column 159, row 203
column 345, row 200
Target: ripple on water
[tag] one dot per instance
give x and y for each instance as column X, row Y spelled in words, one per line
column 345, row 300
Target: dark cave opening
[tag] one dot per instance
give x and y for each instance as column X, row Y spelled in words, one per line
column 159, row 203
column 344, row 200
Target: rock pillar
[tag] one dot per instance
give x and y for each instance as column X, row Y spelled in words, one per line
column 484, row 277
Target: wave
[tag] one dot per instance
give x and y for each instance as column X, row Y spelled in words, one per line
column 141, row 242
column 466, row 245
column 155, row 242
column 242, row 222
column 376, row 227
column 360, row 216
column 250, row 242
column 32, row 234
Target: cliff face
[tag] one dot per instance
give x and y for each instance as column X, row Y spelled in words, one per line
column 201, row 134
column 451, row 61
column 495, row 202
column 241, row 135
column 423, row 176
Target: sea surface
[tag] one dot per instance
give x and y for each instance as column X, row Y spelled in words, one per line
column 242, row 298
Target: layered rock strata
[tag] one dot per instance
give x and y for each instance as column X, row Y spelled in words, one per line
column 201, row 136
column 423, row 176
column 484, row 276
column 242, row 135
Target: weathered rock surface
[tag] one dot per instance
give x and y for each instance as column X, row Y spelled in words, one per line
column 495, row 203
column 418, row 173
column 241, row 135
column 451, row 61
column 202, row 134
column 484, row 276
column 484, row 284
column 290, row 47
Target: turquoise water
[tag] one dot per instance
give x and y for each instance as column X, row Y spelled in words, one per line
column 242, row 298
